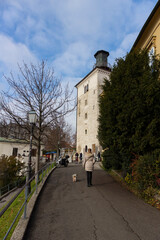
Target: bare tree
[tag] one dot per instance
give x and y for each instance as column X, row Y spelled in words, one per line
column 36, row 88
column 12, row 130
column 59, row 135
column 5, row 129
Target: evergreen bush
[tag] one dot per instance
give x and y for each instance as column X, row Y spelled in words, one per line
column 129, row 119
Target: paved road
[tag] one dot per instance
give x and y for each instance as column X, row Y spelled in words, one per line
column 105, row 211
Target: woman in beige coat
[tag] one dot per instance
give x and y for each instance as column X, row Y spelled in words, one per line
column 88, row 165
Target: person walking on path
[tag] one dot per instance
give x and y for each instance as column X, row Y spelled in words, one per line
column 88, row 164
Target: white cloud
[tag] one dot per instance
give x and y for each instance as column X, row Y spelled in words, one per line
column 68, row 32
column 12, row 53
column 128, row 41
column 57, row 24
column 72, row 81
column 72, row 31
column 73, row 60
column 140, row 12
column 71, row 120
column 124, row 47
column 10, row 17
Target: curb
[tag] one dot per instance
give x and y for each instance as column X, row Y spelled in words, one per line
column 156, row 196
column 116, row 173
column 20, row 229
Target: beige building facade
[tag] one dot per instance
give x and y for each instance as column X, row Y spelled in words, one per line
column 88, row 91
column 149, row 36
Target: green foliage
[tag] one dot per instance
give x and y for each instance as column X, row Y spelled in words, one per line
column 10, row 168
column 128, row 179
column 148, row 193
column 145, row 173
column 110, row 160
column 8, row 217
column 129, row 120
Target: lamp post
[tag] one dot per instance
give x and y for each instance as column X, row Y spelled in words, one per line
column 32, row 120
column 58, row 151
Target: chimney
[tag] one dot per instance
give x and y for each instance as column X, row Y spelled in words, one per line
column 101, row 58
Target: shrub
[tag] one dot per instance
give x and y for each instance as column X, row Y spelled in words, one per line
column 10, row 169
column 145, row 171
column 149, row 193
column 128, row 179
column 110, row 160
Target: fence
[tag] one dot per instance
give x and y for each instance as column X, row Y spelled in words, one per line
column 11, row 186
column 42, row 173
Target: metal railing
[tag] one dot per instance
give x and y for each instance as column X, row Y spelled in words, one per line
column 9, row 187
column 40, row 175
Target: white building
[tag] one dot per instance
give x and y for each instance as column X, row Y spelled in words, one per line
column 18, row 148
column 88, row 91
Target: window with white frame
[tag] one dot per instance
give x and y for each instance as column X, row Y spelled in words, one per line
column 151, row 54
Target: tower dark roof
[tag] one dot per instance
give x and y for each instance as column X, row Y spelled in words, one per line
column 101, row 51
column 101, row 63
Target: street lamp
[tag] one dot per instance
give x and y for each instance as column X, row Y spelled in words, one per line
column 32, row 117
column 32, row 120
column 58, row 150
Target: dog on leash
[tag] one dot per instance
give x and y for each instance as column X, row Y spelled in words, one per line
column 74, row 177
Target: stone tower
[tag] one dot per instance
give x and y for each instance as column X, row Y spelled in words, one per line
column 88, row 91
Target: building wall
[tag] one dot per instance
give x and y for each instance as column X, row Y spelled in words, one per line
column 88, row 110
column 151, row 35
column 6, row 148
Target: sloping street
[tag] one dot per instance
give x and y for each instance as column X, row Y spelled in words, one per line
column 69, row 210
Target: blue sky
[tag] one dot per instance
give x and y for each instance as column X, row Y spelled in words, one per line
column 67, row 33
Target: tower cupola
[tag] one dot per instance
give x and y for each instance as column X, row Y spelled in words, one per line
column 101, row 58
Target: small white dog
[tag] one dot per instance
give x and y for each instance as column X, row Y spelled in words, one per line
column 74, row 177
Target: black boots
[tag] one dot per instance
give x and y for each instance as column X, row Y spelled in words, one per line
column 89, row 179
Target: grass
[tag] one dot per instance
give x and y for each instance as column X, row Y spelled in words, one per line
column 8, row 217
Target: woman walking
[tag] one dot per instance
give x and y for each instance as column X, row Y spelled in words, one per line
column 88, row 165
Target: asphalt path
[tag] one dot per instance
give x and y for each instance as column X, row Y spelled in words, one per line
column 68, row 210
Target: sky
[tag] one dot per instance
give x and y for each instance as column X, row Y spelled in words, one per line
column 67, row 34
